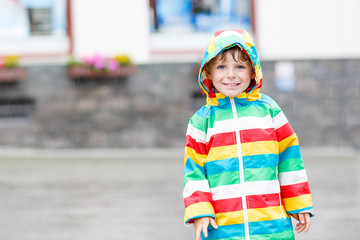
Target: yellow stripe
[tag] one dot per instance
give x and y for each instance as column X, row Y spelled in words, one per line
column 262, row 147
column 211, row 46
column 248, row 39
column 199, row 159
column 198, row 209
column 288, row 142
column 218, row 153
column 229, row 218
column 255, row 95
column 294, row 203
column 264, row 214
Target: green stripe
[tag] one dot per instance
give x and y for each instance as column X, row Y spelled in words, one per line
column 292, row 164
column 252, row 111
column 195, row 175
column 260, row 174
column 228, row 39
column 225, row 114
column 225, row 178
column 197, row 122
column 286, row 235
column 221, row 114
column 232, row 238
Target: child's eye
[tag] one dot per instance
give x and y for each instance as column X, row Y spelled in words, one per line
column 240, row 67
column 221, row 67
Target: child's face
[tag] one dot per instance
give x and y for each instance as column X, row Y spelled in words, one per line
column 230, row 77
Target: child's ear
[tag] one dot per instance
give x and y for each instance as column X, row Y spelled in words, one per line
column 253, row 75
column 208, row 75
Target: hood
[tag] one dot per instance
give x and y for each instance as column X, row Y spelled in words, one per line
column 218, row 43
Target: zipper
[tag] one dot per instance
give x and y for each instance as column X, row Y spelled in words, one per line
column 241, row 170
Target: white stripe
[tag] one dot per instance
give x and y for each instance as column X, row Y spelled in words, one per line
column 228, row 33
column 280, row 120
column 195, row 133
column 242, row 123
column 193, row 186
column 294, row 177
column 249, row 188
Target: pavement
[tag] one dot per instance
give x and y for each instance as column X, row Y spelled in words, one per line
column 137, row 194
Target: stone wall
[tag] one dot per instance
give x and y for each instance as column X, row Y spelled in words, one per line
column 151, row 108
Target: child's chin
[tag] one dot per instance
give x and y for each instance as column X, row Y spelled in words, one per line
column 232, row 94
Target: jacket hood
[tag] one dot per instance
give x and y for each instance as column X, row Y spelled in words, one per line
column 218, row 43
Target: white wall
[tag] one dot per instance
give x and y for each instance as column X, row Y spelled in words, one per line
column 303, row 29
column 111, row 27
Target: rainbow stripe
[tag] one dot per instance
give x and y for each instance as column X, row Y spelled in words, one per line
column 242, row 162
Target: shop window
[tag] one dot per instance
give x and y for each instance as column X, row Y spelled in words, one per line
column 200, row 15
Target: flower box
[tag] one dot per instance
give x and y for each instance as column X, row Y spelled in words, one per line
column 85, row 72
column 13, row 74
column 101, row 67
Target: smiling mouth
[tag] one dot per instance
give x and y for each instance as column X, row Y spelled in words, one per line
column 231, row 84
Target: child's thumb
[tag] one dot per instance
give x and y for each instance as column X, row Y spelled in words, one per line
column 213, row 223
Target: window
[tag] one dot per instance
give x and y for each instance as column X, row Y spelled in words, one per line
column 33, row 27
column 40, row 21
column 181, row 29
column 200, row 15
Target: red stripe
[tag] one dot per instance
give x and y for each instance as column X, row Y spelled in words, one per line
column 236, row 30
column 221, row 139
column 197, row 197
column 251, row 135
column 262, row 201
column 284, row 132
column 254, row 201
column 295, row 190
column 255, row 135
column 228, row 205
column 200, row 148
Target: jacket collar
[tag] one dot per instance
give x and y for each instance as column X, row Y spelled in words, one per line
column 220, row 99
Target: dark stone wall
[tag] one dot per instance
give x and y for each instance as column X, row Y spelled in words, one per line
column 151, row 107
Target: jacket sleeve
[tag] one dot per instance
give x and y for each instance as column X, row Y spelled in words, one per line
column 197, row 197
column 294, row 187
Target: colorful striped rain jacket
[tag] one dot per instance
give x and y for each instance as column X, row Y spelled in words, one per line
column 242, row 161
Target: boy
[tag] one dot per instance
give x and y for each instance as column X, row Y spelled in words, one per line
column 243, row 174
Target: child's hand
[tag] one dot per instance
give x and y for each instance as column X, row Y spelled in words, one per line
column 304, row 222
column 201, row 224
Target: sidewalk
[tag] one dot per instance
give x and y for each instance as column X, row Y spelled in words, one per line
column 137, row 194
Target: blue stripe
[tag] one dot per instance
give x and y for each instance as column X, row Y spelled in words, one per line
column 268, row 99
column 224, row 104
column 290, row 152
column 226, row 232
column 231, row 164
column 271, row 226
column 299, row 210
column 220, row 166
column 190, row 166
column 261, row 161
column 200, row 216
column 202, row 112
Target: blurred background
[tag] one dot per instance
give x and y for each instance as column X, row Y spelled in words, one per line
column 95, row 97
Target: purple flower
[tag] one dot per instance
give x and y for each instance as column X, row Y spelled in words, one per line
column 112, row 64
column 98, row 62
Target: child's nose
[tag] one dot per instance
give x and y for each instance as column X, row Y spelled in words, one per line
column 231, row 73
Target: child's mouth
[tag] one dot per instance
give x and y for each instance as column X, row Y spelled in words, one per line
column 231, row 84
